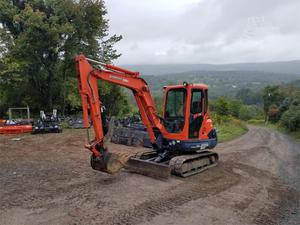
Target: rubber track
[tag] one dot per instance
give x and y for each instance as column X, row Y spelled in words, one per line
column 177, row 162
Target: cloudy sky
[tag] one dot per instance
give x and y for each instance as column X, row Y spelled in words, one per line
column 205, row 31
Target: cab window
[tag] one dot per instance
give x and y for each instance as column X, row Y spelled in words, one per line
column 196, row 117
column 175, row 110
column 196, row 105
column 205, row 101
column 175, row 104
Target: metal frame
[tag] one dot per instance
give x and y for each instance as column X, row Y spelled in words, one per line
column 19, row 108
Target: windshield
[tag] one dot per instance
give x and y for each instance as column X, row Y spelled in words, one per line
column 175, row 104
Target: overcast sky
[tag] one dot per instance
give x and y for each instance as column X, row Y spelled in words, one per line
column 205, row 31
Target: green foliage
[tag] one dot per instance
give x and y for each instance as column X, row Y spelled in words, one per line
column 222, row 106
column 248, row 112
column 272, row 96
column 159, row 102
column 248, row 96
column 244, row 113
column 39, row 40
column 291, row 118
column 114, row 99
column 234, row 107
column 228, row 127
column 283, row 104
column 225, row 106
column 219, row 119
column 259, row 122
column 72, row 98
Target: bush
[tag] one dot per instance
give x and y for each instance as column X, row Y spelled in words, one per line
column 222, row 106
column 228, row 127
column 234, row 107
column 219, row 119
column 248, row 112
column 225, row 106
column 245, row 113
column 290, row 119
column 239, row 123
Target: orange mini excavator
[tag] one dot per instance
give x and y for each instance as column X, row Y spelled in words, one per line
column 181, row 138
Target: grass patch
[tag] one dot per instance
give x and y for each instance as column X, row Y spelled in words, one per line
column 230, row 128
column 258, row 122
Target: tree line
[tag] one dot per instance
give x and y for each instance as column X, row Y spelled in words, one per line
column 40, row 38
column 282, row 105
column 38, row 42
column 278, row 104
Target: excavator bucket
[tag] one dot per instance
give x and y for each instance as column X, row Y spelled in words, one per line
column 109, row 162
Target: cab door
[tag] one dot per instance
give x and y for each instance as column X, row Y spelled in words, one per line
column 196, row 112
column 175, row 110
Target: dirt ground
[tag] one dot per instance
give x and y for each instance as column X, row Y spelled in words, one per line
column 47, row 179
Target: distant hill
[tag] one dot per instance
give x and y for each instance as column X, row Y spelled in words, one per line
column 225, row 83
column 287, row 67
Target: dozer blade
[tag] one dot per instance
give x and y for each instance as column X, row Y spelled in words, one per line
column 109, row 162
column 148, row 168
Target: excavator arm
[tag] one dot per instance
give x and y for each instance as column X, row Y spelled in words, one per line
column 88, row 77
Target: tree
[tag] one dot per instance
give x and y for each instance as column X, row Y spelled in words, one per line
column 274, row 113
column 234, row 107
column 272, row 96
column 159, row 102
column 222, row 106
column 291, row 118
column 111, row 91
column 39, row 39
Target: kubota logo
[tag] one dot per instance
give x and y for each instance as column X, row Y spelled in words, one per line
column 118, row 78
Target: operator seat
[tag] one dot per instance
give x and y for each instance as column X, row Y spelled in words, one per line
column 196, row 119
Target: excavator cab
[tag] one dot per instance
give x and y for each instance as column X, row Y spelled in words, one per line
column 186, row 116
column 179, row 110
